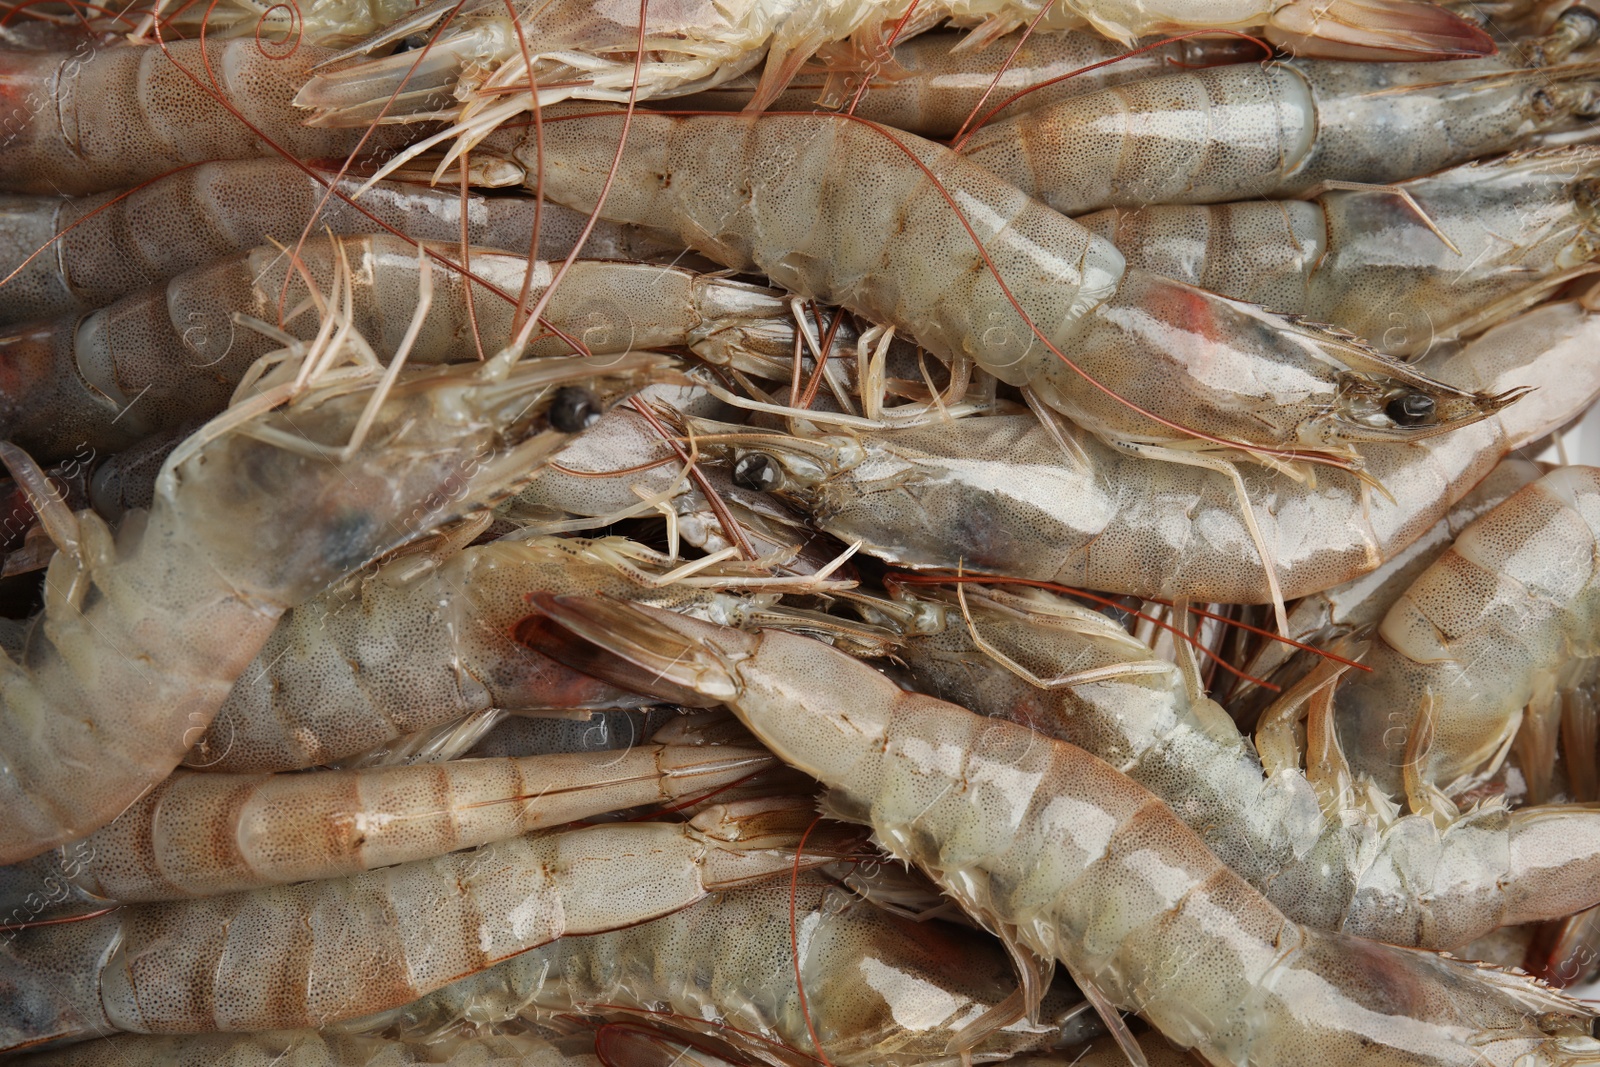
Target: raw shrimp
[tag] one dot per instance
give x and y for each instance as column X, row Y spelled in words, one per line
column 104, row 118
column 317, row 952
column 881, row 990
column 1245, row 130
column 930, row 86
column 999, row 494
column 92, row 250
column 1313, row 849
column 848, row 213
column 1481, row 644
column 143, row 635
column 1065, row 858
column 309, row 1048
column 201, row 835
column 409, row 646
column 174, row 352
column 1366, row 261
column 477, row 51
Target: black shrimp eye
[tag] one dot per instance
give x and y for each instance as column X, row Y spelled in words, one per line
column 574, row 408
column 1410, row 409
column 415, row 41
column 757, row 472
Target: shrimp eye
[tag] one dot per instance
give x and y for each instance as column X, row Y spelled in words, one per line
column 757, row 472
column 1410, row 409
column 409, row 44
column 574, row 408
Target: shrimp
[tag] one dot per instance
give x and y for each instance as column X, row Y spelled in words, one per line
column 476, row 51
column 1311, row 847
column 998, row 494
column 1517, row 227
column 86, row 252
column 318, row 952
column 87, row 121
column 880, row 990
column 202, row 835
column 1285, row 129
column 1065, row 858
column 1483, row 643
column 405, row 647
column 175, row 352
column 932, row 87
column 142, row 635
column 843, row 212
column 309, row 1048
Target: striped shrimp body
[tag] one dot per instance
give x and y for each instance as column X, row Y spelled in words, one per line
column 1064, row 857
column 849, row 214
column 1364, row 259
column 92, row 250
column 1245, row 130
column 142, row 635
column 200, row 835
column 1484, row 642
column 311, row 1048
column 407, row 647
column 175, row 352
column 1309, row 845
column 881, row 990
column 98, row 119
column 931, row 86
column 318, row 952
column 999, row 495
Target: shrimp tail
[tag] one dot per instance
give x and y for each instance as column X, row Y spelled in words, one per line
column 405, row 87
column 646, row 650
column 1376, row 30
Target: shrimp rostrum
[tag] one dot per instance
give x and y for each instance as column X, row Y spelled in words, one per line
column 1067, row 859
column 912, row 236
column 143, row 635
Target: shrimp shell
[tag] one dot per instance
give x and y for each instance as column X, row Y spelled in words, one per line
column 169, row 354
column 99, row 119
column 88, row 251
column 1242, row 131
column 317, row 952
column 200, row 835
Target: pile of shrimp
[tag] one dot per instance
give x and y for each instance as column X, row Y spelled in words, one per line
column 799, row 533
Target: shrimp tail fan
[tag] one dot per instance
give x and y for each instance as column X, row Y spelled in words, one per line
column 645, row 650
column 1376, row 30
column 412, row 85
